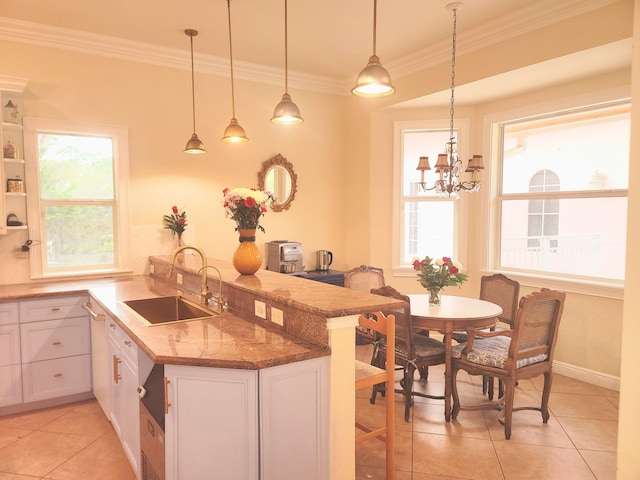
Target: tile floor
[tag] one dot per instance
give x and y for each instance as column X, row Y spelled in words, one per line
column 578, row 443
column 71, row 442
column 76, row 442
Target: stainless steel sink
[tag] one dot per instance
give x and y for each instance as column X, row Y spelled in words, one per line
column 162, row 310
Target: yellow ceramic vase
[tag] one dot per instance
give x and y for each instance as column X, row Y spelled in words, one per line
column 247, row 259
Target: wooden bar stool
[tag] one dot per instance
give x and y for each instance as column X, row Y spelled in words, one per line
column 368, row 375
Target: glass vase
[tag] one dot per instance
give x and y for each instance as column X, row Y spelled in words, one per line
column 177, row 243
column 435, row 296
column 247, row 259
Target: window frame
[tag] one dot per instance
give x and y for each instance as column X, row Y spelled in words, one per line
column 491, row 223
column 119, row 136
column 460, row 206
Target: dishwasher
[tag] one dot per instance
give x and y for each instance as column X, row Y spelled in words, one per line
column 152, row 448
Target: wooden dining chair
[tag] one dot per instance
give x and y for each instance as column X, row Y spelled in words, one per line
column 368, row 375
column 413, row 351
column 523, row 352
column 364, row 278
column 505, row 292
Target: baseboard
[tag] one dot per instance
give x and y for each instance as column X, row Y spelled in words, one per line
column 53, row 402
column 592, row 377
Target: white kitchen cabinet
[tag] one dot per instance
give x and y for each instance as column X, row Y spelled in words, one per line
column 55, row 348
column 211, row 430
column 10, row 375
column 100, row 355
column 129, row 367
column 267, row 424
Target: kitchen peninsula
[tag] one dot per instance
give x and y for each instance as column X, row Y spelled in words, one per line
column 317, row 326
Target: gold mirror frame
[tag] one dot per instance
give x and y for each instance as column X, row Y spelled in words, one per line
column 274, row 164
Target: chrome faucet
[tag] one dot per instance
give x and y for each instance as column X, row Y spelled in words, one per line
column 205, row 294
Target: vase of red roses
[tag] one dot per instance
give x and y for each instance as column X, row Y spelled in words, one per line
column 435, row 274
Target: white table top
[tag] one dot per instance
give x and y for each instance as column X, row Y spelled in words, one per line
column 453, row 308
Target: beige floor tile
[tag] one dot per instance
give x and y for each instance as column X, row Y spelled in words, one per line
column 590, row 434
column 460, row 457
column 562, row 384
column 40, row 452
column 12, row 476
column 102, row 460
column 34, row 420
column 582, row 406
column 372, row 452
column 430, row 419
column 529, row 429
column 531, row 462
column 10, row 435
column 602, row 464
column 87, row 419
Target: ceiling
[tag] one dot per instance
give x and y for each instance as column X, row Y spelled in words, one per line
column 329, row 39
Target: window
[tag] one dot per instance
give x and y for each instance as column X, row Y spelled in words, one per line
column 563, row 193
column 76, row 197
column 424, row 223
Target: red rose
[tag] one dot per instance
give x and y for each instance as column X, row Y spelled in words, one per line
column 446, row 260
column 263, row 209
column 225, row 191
column 182, row 221
column 249, row 202
column 175, row 209
column 417, row 264
column 453, row 270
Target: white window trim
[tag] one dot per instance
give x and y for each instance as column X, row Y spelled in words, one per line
column 490, row 224
column 463, row 127
column 121, row 188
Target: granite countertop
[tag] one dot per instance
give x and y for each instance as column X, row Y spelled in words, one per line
column 226, row 341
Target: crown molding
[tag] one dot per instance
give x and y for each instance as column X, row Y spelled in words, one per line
column 530, row 18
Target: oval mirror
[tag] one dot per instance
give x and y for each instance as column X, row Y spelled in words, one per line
column 277, row 176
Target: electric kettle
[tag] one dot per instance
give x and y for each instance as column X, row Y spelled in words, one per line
column 324, row 259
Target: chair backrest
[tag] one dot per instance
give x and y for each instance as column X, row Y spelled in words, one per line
column 536, row 327
column 502, row 291
column 364, row 278
column 402, row 315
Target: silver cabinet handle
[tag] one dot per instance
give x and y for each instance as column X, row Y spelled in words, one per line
column 98, row 317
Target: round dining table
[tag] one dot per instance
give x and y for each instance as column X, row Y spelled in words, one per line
column 454, row 314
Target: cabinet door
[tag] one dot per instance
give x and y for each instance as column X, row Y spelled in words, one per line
column 10, row 385
column 56, row 378
column 9, row 345
column 294, row 421
column 212, row 424
column 100, row 357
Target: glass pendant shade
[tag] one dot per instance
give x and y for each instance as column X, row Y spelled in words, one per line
column 234, row 133
column 374, row 80
column 286, row 112
column 194, row 145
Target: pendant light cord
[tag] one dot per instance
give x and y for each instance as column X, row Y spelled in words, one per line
column 453, row 75
column 286, row 53
column 193, row 85
column 375, row 21
column 233, row 94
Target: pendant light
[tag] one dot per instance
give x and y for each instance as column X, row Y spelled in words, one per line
column 194, row 145
column 234, row 132
column 286, row 112
column 374, row 80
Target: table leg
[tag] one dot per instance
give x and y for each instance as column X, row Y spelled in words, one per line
column 447, row 372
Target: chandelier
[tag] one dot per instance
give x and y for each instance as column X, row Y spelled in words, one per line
column 448, row 166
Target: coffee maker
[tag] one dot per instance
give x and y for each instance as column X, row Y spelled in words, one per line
column 285, row 257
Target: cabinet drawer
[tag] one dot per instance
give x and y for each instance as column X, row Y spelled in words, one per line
column 10, row 385
column 9, row 345
column 52, row 308
column 122, row 341
column 56, row 378
column 8, row 313
column 55, row 339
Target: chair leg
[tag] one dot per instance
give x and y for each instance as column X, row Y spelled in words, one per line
column 409, row 372
column 510, row 388
column 424, row 373
column 454, row 393
column 487, row 386
column 544, row 407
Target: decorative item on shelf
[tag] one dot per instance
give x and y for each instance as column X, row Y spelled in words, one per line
column 245, row 206
column 194, row 145
column 436, row 274
column 11, row 112
column 234, row 132
column 374, row 80
column 13, row 220
column 15, row 185
column 286, row 112
column 177, row 223
column 449, row 165
column 9, row 150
